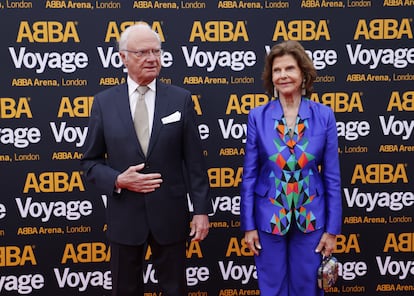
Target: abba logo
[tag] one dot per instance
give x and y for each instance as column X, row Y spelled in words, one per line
column 341, row 102
column 76, row 107
column 380, row 173
column 86, row 253
column 346, row 244
column 11, row 108
column 403, row 242
column 383, row 29
column 16, row 256
column 401, row 102
column 48, row 32
column 219, row 31
column 225, row 177
column 245, row 103
column 53, row 182
column 301, row 30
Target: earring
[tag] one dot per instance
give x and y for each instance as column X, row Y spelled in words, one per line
column 303, row 88
column 275, row 93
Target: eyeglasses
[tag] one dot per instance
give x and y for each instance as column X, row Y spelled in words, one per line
column 145, row 53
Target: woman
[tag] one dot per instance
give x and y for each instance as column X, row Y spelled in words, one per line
column 291, row 209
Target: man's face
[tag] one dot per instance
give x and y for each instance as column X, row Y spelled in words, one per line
column 141, row 56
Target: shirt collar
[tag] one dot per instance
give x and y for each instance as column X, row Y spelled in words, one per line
column 132, row 85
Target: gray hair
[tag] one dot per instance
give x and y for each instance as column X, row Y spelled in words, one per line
column 125, row 34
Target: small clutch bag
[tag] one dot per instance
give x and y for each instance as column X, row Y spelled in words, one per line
column 327, row 272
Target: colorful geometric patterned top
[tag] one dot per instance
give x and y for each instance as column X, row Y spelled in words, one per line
column 291, row 177
column 292, row 190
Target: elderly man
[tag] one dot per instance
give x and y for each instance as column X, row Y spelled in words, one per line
column 144, row 152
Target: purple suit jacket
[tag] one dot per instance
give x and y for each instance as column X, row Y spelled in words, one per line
column 296, row 181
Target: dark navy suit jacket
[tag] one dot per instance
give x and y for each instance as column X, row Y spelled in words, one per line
column 270, row 200
column 174, row 151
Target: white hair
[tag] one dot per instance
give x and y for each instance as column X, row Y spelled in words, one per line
column 123, row 40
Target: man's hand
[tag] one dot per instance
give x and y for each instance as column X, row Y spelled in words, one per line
column 132, row 180
column 199, row 227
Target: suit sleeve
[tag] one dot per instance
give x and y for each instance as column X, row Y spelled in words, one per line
column 331, row 178
column 194, row 164
column 250, row 174
column 93, row 161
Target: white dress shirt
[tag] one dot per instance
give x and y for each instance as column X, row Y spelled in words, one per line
column 149, row 99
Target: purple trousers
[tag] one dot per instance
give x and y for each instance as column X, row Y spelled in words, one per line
column 288, row 265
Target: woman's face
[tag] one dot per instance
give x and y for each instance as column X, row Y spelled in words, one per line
column 287, row 77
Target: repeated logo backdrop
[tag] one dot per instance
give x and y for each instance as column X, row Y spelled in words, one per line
column 56, row 55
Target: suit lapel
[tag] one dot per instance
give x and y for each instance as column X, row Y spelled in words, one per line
column 124, row 111
column 123, row 108
column 161, row 107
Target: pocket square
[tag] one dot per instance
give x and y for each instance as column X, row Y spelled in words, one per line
column 176, row 116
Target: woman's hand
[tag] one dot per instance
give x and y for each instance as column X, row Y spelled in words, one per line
column 326, row 245
column 251, row 238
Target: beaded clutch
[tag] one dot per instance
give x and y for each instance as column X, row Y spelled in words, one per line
column 327, row 272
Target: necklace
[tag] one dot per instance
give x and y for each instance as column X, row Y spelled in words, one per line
column 291, row 128
column 291, row 120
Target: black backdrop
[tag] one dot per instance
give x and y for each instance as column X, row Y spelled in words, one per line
column 56, row 55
